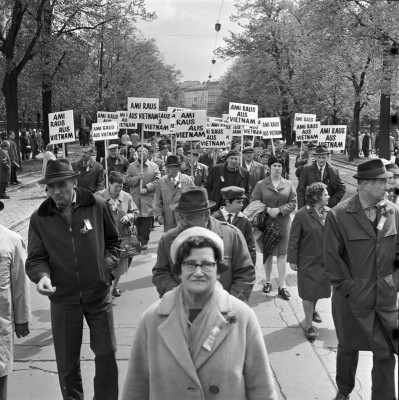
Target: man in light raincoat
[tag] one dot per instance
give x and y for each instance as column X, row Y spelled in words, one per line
column 14, row 299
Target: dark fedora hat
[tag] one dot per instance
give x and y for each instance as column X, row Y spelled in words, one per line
column 172, row 161
column 58, row 170
column 321, row 150
column 392, row 168
column 372, row 169
column 192, row 199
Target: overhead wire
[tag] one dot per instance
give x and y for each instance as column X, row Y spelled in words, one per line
column 217, row 29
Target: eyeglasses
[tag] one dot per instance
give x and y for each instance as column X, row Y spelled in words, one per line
column 191, row 266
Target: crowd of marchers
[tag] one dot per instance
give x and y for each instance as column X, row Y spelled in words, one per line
column 219, row 209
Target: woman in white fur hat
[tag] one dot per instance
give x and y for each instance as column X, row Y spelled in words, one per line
column 198, row 341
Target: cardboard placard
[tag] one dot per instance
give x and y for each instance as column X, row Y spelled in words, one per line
column 308, row 131
column 242, row 114
column 333, row 136
column 252, row 130
column 270, row 127
column 303, row 118
column 105, row 131
column 162, row 125
column 143, row 109
column 124, row 121
column 61, row 127
column 190, row 125
column 216, row 137
column 107, row 116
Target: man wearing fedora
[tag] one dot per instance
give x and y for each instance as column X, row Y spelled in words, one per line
column 90, row 175
column 234, row 197
column 255, row 169
column 14, row 299
column 73, row 246
column 226, row 174
column 321, row 171
column 193, row 209
column 142, row 187
column 168, row 191
column 361, row 257
column 199, row 171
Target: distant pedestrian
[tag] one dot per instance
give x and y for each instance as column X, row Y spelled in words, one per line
column 134, row 138
column 39, row 135
column 24, row 145
column 360, row 255
column 14, row 298
column 366, row 144
column 5, row 170
column 14, row 157
column 305, row 253
column 73, row 246
column 34, row 144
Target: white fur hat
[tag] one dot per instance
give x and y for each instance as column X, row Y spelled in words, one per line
column 196, row 232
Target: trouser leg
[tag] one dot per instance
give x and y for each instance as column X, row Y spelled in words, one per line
column 383, row 379
column 3, row 186
column 13, row 177
column 99, row 317
column 67, row 327
column 346, row 369
column 143, row 225
column 3, row 387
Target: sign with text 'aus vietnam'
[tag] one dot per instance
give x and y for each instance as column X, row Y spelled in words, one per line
column 107, row 116
column 162, row 125
column 307, row 131
column 243, row 114
column 333, row 136
column 143, row 109
column 252, row 130
column 303, row 118
column 105, row 131
column 216, row 137
column 124, row 122
column 61, row 126
column 270, row 127
column 190, row 125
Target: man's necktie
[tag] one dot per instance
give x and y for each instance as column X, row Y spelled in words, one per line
column 229, row 218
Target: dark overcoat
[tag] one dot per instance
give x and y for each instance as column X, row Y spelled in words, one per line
column 361, row 266
column 305, row 248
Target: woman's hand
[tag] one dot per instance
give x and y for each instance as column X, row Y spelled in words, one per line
column 294, row 267
column 125, row 219
column 273, row 212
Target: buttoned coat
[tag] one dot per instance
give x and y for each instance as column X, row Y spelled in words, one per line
column 310, row 174
column 283, row 197
column 90, row 178
column 5, row 166
column 200, row 172
column 160, row 366
column 14, row 294
column 361, row 266
column 241, row 222
column 144, row 202
column 217, row 179
column 305, row 248
column 256, row 174
column 165, row 195
column 238, row 278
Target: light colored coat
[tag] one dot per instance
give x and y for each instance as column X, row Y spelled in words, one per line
column 14, row 294
column 165, row 195
column 161, row 367
column 144, row 202
column 361, row 266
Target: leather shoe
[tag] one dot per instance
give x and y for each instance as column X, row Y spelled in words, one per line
column 310, row 333
column 316, row 317
column 116, row 292
column 143, row 247
column 341, row 396
column 267, row 287
column 284, row 293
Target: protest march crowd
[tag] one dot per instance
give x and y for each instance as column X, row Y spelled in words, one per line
column 220, row 208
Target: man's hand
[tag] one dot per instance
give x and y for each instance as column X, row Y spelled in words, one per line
column 144, row 191
column 45, row 287
column 273, row 212
column 105, row 171
column 160, row 220
column 22, row 330
column 294, row 267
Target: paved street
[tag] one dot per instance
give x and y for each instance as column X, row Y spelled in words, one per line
column 302, row 370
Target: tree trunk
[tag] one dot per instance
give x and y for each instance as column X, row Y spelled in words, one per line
column 356, row 121
column 46, row 106
column 385, row 125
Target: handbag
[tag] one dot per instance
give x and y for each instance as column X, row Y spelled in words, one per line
column 130, row 245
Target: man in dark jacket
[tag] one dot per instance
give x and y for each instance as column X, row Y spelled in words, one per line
column 321, row 171
column 255, row 169
column 227, row 174
column 231, row 212
column 115, row 162
column 73, row 245
column 191, row 210
column 13, row 152
column 90, row 172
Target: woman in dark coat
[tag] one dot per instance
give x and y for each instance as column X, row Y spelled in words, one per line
column 305, row 253
column 279, row 197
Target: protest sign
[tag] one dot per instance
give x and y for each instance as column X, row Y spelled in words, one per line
column 162, row 125
column 216, row 137
column 333, row 136
column 252, row 130
column 270, row 127
column 190, row 125
column 143, row 110
column 61, row 127
column 242, row 114
column 307, row 131
column 173, row 110
column 124, row 121
column 105, row 131
column 106, row 116
column 303, row 118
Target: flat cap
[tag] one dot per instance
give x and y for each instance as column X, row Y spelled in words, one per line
column 233, row 192
column 113, row 146
column 248, row 150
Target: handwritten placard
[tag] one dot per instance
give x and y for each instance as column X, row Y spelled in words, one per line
column 242, row 114
column 303, row 118
column 307, row 131
column 124, row 121
column 190, row 125
column 143, row 109
column 61, row 127
column 216, row 137
column 333, row 136
column 270, row 127
column 105, row 131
